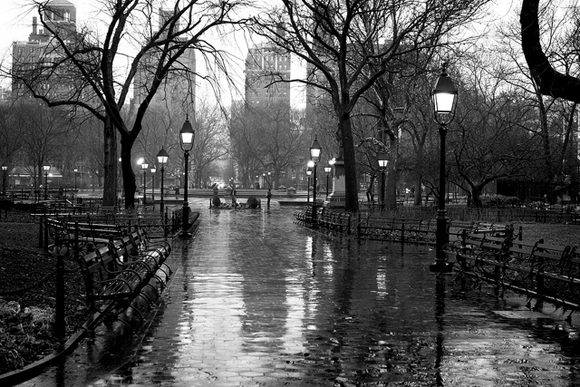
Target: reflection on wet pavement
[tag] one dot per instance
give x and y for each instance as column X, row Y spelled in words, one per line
column 259, row 301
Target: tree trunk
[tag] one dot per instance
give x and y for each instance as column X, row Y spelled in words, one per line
column 418, row 194
column 370, row 195
column 419, row 177
column 545, row 135
column 391, row 185
column 110, row 164
column 476, row 196
column 351, row 184
column 129, row 184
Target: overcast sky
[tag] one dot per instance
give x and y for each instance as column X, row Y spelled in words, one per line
column 16, row 22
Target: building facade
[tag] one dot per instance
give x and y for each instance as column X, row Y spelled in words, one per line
column 32, row 59
column 267, row 71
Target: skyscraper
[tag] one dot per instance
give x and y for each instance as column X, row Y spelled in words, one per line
column 267, row 76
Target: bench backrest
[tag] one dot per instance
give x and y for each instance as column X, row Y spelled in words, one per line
column 523, row 248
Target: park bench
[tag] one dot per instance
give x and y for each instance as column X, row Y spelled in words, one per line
column 118, row 264
column 121, row 268
column 478, row 242
column 98, row 233
column 136, row 243
column 109, row 278
column 334, row 221
column 376, row 228
column 539, row 270
column 307, row 215
column 59, row 229
column 398, row 229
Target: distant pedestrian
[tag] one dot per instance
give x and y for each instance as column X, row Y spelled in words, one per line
column 269, row 196
column 216, row 200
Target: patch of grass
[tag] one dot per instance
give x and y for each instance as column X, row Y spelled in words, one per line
column 554, row 234
column 27, row 296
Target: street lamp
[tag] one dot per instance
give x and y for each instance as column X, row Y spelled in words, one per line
column 315, row 151
column 144, row 167
column 444, row 99
column 46, row 168
column 327, row 170
column 75, row 171
column 186, row 138
column 383, row 162
column 4, row 169
column 153, row 170
column 162, row 158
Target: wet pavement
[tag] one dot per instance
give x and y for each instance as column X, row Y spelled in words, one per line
column 257, row 300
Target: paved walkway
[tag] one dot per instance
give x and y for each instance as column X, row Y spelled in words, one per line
column 259, row 301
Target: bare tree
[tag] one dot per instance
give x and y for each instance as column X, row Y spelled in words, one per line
column 347, row 46
column 41, row 131
column 267, row 138
column 211, row 141
column 85, row 67
column 245, row 142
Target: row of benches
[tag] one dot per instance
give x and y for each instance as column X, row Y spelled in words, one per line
column 419, row 230
column 372, row 227
column 323, row 218
column 538, row 269
column 116, row 263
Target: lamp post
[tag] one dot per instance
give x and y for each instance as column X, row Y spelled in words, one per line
column 444, row 98
column 315, row 151
column 4, row 169
column 327, row 170
column 383, row 162
column 186, row 138
column 144, row 166
column 153, row 170
column 308, row 174
column 46, row 168
column 162, row 158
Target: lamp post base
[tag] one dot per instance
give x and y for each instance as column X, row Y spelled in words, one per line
column 441, row 267
column 441, row 264
column 185, row 233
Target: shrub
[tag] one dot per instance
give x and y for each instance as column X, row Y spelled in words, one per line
column 499, row 201
column 253, row 202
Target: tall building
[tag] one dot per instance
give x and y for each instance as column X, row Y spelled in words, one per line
column 267, row 76
column 32, row 58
